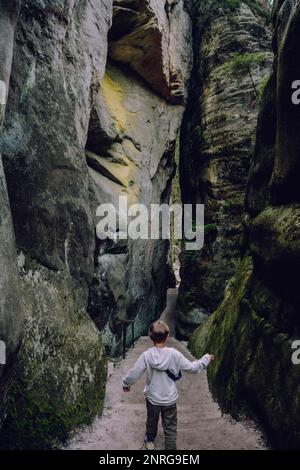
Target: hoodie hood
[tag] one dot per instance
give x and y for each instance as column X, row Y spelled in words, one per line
column 159, row 358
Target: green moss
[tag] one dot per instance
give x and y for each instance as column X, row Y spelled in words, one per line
column 60, row 379
column 36, row 421
column 208, row 228
column 253, row 372
column 197, row 342
column 210, row 233
column 219, row 333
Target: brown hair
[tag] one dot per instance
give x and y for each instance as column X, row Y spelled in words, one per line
column 159, row 331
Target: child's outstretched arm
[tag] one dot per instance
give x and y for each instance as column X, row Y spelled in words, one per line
column 135, row 373
column 195, row 366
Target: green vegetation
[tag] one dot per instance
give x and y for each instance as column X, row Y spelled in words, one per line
column 209, row 8
column 210, row 228
column 242, row 63
column 210, row 233
column 239, row 64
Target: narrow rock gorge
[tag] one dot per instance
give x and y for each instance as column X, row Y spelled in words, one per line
column 253, row 330
column 100, row 99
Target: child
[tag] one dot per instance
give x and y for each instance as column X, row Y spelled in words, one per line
column 164, row 366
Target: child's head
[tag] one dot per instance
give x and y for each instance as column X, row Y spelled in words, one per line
column 159, row 332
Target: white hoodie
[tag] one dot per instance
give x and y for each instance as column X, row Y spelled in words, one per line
column 160, row 389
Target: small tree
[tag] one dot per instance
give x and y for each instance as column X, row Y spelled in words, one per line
column 243, row 63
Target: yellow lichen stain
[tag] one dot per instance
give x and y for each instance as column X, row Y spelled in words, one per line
column 113, row 96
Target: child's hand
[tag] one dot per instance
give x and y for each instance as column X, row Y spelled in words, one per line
column 126, row 388
column 212, row 357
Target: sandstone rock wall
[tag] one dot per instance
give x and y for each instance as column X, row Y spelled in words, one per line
column 78, row 133
column 11, row 318
column 130, row 152
column 59, row 59
column 253, row 331
column 232, row 61
column 129, row 155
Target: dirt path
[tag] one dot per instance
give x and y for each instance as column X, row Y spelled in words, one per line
column 200, row 423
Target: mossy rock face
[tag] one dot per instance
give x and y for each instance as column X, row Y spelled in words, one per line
column 198, row 340
column 275, row 233
column 220, row 330
column 253, row 371
column 61, row 373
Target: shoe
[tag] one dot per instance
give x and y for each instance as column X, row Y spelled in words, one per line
column 149, row 445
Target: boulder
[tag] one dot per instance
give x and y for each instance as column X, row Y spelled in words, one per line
column 151, row 37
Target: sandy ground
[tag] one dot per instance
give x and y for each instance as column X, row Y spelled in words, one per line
column 200, row 422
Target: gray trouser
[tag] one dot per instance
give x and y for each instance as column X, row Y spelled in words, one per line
column 169, row 422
